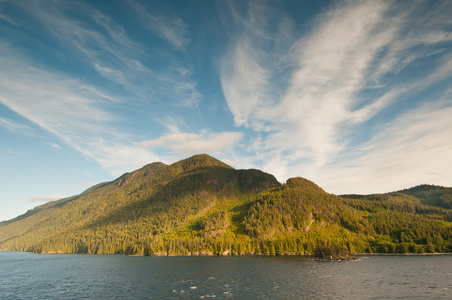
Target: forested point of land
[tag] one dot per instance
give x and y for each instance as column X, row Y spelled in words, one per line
column 202, row 206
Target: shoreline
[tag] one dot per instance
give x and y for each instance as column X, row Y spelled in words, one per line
column 403, row 254
column 205, row 253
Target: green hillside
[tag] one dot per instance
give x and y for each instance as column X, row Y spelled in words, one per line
column 201, row 206
column 432, row 195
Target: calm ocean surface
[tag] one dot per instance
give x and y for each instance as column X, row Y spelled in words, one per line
column 65, row 276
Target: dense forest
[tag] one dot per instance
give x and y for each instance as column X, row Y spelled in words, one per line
column 201, row 206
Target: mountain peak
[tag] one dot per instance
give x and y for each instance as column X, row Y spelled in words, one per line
column 303, row 183
column 200, row 161
column 202, row 205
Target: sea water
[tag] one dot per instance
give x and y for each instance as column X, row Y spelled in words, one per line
column 67, row 276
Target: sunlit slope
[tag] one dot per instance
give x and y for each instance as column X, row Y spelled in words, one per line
column 140, row 204
column 431, row 195
column 401, row 223
column 201, row 206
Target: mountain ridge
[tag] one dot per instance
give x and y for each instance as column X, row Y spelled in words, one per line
column 201, row 205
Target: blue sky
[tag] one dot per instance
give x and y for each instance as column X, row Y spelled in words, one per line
column 354, row 95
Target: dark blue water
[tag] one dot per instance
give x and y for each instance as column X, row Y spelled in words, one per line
column 42, row 276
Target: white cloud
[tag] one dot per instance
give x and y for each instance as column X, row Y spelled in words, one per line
column 344, row 73
column 104, row 45
column 317, row 106
column 46, row 198
column 330, row 66
column 186, row 144
column 53, row 101
column 77, row 113
column 244, row 82
column 119, row 156
column 171, row 28
column 72, row 110
column 411, row 150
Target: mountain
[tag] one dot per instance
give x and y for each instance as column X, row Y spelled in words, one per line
column 431, row 195
column 202, row 206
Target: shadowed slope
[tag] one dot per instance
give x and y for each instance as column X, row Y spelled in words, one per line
column 156, row 198
column 202, row 206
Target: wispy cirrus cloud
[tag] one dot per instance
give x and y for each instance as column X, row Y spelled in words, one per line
column 345, row 72
column 170, row 28
column 70, row 109
column 14, row 127
column 95, row 39
column 46, row 198
column 187, row 144
column 79, row 115
column 51, row 100
column 410, row 150
column 74, row 111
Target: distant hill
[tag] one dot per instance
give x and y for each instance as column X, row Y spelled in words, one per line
column 432, row 195
column 202, row 206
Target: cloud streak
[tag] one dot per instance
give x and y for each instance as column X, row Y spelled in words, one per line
column 361, row 91
column 78, row 114
column 187, row 144
column 46, row 198
column 72, row 110
column 102, row 44
column 172, row 29
column 410, row 150
column 342, row 75
column 14, row 127
column 83, row 115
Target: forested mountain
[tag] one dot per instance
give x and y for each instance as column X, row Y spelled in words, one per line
column 201, row 206
column 431, row 195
